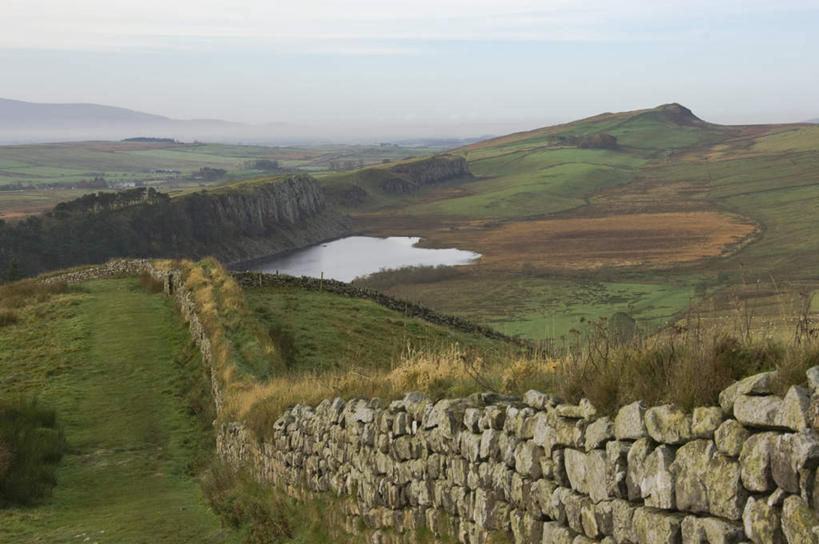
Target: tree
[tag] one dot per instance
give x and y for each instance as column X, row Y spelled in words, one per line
column 12, row 271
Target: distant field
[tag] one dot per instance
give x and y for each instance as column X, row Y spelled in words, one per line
column 681, row 204
column 46, row 174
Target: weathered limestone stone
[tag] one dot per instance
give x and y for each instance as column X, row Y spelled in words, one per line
column 657, row 485
column 599, row 432
column 730, row 437
column 492, row 417
column 668, row 425
column 471, row 418
column 596, row 475
column 470, row 445
column 688, row 468
column 759, row 412
column 489, row 448
column 762, row 522
column 574, row 503
column 756, row 464
column 793, row 414
column 710, row 531
column 557, row 510
column 559, row 465
column 588, row 520
column 791, row 454
column 629, row 423
column 569, row 432
column 520, row 490
column 622, row 513
column 604, row 516
column 616, row 468
column 525, row 528
column 584, row 410
column 540, row 493
column 704, row 421
column 537, row 400
column 555, row 533
column 726, row 496
column 447, row 416
column 527, row 459
column 576, row 470
column 657, row 527
column 799, row 522
column 759, row 384
column 543, row 434
column 637, row 455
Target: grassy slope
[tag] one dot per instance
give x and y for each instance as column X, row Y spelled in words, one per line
column 111, row 375
column 321, row 331
column 767, row 174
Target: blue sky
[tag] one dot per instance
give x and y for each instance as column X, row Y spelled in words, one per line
column 452, row 66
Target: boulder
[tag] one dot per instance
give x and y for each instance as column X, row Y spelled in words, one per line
column 730, row 437
column 668, row 425
column 791, row 454
column 657, row 527
column 759, row 384
column 799, row 522
column 762, row 522
column 629, row 423
column 759, row 412
column 657, row 485
column 599, row 432
column 756, row 463
column 794, row 411
column 706, row 420
column 636, row 458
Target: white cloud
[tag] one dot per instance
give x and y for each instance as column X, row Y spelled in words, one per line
column 317, row 25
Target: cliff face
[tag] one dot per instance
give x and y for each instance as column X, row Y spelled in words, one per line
column 236, row 224
column 433, row 170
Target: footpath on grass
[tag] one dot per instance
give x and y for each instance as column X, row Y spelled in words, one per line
column 108, row 361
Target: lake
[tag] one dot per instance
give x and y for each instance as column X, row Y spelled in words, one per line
column 348, row 258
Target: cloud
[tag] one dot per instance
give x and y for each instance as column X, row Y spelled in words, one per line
column 350, row 27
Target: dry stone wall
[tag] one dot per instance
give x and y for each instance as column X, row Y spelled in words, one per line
column 540, row 471
column 534, row 470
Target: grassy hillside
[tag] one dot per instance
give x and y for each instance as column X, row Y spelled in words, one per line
column 649, row 212
column 125, row 386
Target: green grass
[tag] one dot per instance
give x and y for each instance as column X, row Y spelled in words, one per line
column 321, row 331
column 107, row 356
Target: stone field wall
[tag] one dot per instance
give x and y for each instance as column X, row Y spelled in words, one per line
column 491, row 468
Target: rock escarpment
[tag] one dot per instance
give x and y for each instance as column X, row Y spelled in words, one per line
column 232, row 224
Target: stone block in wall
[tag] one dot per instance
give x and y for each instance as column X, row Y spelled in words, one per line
column 705, row 421
column 653, row 526
column 492, row 417
column 575, row 462
column 794, row 412
column 791, row 454
column 754, row 459
column 587, row 473
column 520, row 491
column 541, row 495
column 470, row 445
column 559, row 467
column 543, row 434
column 799, row 523
column 489, row 447
column 657, row 485
column 758, row 384
column 758, row 412
column 689, row 468
column 637, row 455
column 525, row 529
column 589, row 521
column 569, row 432
column 557, row 508
column 583, row 410
column 622, row 513
column 472, row 417
column 555, row 533
column 604, row 515
column 726, row 496
column 574, row 504
column 599, row 432
column 629, row 423
column 527, row 459
column 668, row 425
column 538, row 401
column 616, row 468
column 762, row 522
column 446, row 415
column 696, row 530
column 730, row 437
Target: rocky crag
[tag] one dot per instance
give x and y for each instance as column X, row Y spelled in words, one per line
column 535, row 470
column 233, row 224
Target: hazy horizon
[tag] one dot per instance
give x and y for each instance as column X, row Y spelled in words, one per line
column 447, row 68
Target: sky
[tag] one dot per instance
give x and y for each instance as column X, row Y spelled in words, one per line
column 479, row 65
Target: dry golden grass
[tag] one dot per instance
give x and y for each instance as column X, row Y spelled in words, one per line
column 643, row 239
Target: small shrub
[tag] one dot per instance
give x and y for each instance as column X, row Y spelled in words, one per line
column 151, row 284
column 8, row 317
column 31, row 445
column 25, row 292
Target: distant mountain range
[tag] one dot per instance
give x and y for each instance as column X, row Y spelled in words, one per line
column 29, row 122
column 813, row 120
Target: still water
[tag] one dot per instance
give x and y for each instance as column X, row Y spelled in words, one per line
column 347, row 258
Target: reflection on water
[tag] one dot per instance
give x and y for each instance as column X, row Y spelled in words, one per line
column 347, row 258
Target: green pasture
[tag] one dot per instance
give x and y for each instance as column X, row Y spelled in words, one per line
column 115, row 362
